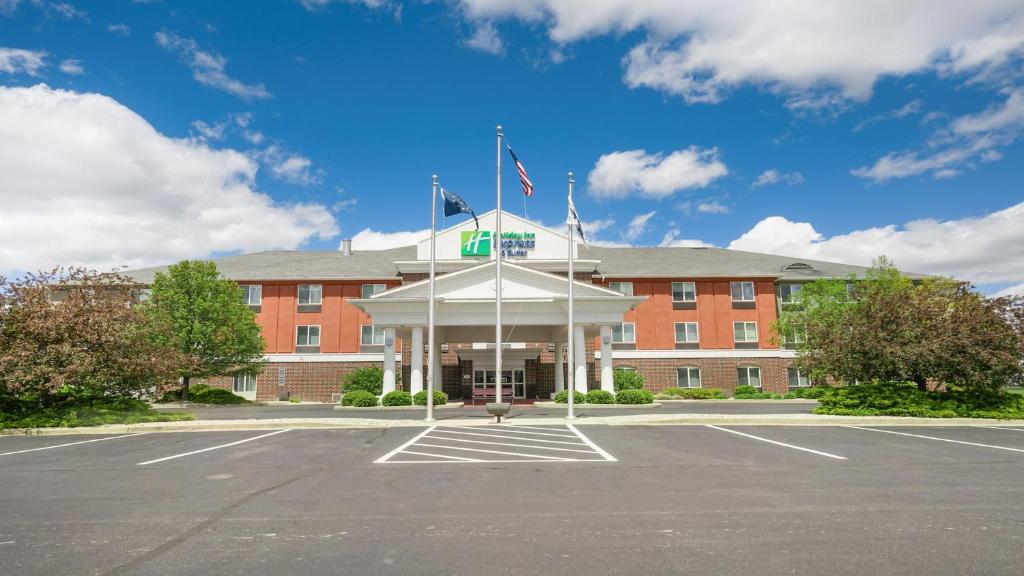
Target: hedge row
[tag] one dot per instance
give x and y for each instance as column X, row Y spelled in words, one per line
column 627, row 396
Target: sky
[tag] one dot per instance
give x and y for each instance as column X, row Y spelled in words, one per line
column 142, row 132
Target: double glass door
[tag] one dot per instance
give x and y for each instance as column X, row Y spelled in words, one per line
column 514, row 377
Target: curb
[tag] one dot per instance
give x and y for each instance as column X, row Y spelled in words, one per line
column 368, row 408
column 553, row 404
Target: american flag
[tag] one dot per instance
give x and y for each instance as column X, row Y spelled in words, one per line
column 523, row 178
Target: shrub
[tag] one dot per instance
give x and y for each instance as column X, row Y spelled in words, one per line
column 215, row 396
column 905, row 399
column 71, row 411
column 366, row 379
column 359, row 399
column 420, row 399
column 674, row 393
column 600, row 397
column 627, row 380
column 396, row 398
column 814, row 392
column 175, row 395
column 633, row 396
column 295, row 399
column 577, row 397
column 751, row 393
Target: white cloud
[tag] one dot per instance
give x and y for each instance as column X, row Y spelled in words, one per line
column 620, row 174
column 486, row 39
column 16, row 60
column 369, row 239
column 672, row 239
column 72, row 67
column 317, row 4
column 59, row 9
column 774, row 176
column 9, row 7
column 88, row 181
column 119, row 29
column 637, row 226
column 206, row 132
column 712, row 207
column 208, row 67
column 289, row 167
column 986, row 249
column 1017, row 290
column 702, row 49
column 910, row 108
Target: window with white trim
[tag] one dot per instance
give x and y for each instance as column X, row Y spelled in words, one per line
column 749, row 376
column 744, row 331
column 688, row 377
column 684, row 292
column 686, row 333
column 371, row 335
column 742, row 291
column 798, row 379
column 252, row 294
column 370, row 289
column 244, row 383
column 307, row 335
column 624, row 333
column 788, row 293
column 624, row 287
column 794, row 335
column 310, row 294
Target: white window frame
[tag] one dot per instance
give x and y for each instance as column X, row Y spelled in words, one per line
column 685, row 325
column 747, row 369
column 247, row 289
column 622, row 332
column 309, row 334
column 689, row 377
column 375, row 332
column 746, row 332
column 374, row 289
column 743, row 297
column 619, row 287
column 799, row 336
column 790, row 286
column 245, row 378
column 693, row 289
column 799, row 378
column 319, row 294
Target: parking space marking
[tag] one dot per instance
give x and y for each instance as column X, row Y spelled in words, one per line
column 514, row 445
column 937, row 438
column 228, row 445
column 68, row 444
column 491, row 444
column 507, row 437
column 777, row 443
column 595, row 447
column 502, row 452
column 998, row 428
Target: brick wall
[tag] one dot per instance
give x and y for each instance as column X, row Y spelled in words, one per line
column 714, row 372
column 309, row 381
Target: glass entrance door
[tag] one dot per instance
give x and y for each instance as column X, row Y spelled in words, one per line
column 515, row 377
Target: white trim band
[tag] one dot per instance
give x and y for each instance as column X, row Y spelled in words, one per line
column 341, row 357
column 671, row 354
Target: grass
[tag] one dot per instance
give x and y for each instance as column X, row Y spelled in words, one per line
column 74, row 413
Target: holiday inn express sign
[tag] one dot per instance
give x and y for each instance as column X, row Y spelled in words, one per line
column 476, row 243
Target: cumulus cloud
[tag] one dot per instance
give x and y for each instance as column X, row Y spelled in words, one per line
column 621, row 174
column 774, row 176
column 486, row 39
column 638, row 225
column 288, row 166
column 88, row 181
column 208, row 68
column 72, row 67
column 986, row 249
column 672, row 239
column 19, row 60
column 369, row 239
column 119, row 29
column 701, row 50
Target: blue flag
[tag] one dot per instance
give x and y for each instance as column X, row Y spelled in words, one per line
column 454, row 204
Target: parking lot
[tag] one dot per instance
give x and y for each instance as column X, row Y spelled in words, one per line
column 627, row 500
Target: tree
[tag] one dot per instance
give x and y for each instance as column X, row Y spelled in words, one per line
column 210, row 322
column 77, row 332
column 887, row 327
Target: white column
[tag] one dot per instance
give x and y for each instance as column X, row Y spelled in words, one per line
column 607, row 380
column 559, row 366
column 389, row 360
column 435, row 358
column 416, row 359
column 580, row 381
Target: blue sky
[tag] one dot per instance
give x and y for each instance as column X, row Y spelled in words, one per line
column 819, row 131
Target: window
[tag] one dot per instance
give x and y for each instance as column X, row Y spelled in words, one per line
column 788, row 293
column 745, row 331
column 749, row 376
column 624, row 333
column 742, row 291
column 797, row 379
column 686, row 332
column 252, row 294
column 371, row 289
column 624, row 287
column 688, row 377
column 626, row 368
column 244, row 383
column 794, row 336
column 307, row 336
column 310, row 294
column 372, row 336
column 684, row 292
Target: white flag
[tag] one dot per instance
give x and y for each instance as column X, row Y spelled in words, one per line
column 574, row 220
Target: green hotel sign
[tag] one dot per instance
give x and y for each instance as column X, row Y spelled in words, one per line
column 513, row 244
column 476, row 243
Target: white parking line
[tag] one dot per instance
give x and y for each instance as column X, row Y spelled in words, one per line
column 595, row 447
column 68, row 444
column 431, row 437
column 493, row 452
column 494, row 444
column 802, row 449
column 228, row 445
column 388, row 456
column 552, row 431
column 937, row 438
column 459, row 458
column 998, row 428
column 507, row 437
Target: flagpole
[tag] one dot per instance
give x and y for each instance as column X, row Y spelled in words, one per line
column 572, row 365
column 430, row 307
column 497, row 285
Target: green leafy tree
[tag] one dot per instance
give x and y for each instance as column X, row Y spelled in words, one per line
column 212, row 327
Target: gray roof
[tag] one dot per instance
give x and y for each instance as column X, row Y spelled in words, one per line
column 675, row 262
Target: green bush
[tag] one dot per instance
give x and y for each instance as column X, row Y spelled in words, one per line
column 366, row 379
column 359, row 399
column 175, row 395
column 216, row 396
column 577, row 397
column 904, row 399
column 72, row 411
column 813, row 392
column 634, row 397
column 600, row 397
column 420, row 399
column 627, row 380
column 751, row 393
column 674, row 393
column 396, row 398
